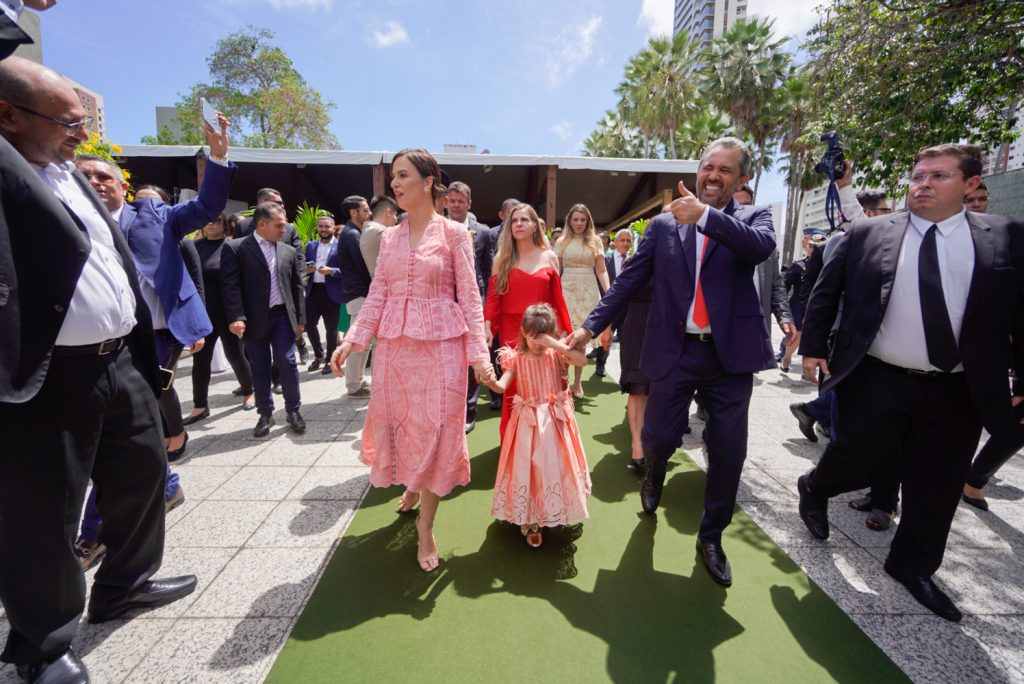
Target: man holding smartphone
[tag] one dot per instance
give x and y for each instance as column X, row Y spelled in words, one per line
column 323, row 293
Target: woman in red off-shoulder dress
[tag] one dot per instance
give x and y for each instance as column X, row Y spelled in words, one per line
column 525, row 272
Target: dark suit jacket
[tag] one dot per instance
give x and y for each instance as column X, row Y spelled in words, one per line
column 773, row 292
column 38, row 276
column 245, row 283
column 483, row 252
column 355, row 278
column 154, row 230
column 333, row 281
column 194, row 266
column 609, row 262
column 860, row 275
column 742, row 237
column 792, row 282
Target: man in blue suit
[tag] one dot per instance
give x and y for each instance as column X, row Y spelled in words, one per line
column 705, row 332
column 323, row 293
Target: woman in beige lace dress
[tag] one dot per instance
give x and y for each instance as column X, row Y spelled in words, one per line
column 584, row 275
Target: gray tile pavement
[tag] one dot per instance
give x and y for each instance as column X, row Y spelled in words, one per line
column 262, row 517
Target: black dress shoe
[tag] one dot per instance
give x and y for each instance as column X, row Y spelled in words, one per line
column 637, row 465
column 239, row 392
column 178, row 455
column 189, row 420
column 980, row 504
column 295, row 420
column 804, row 420
column 326, row 370
column 276, row 388
column 863, row 504
column 600, row 372
column 262, row 428
column 316, row 364
column 716, row 562
column 152, row 594
column 813, row 510
column 927, row 594
column 650, row 495
column 66, row 668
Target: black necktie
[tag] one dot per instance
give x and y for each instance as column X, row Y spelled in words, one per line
column 938, row 331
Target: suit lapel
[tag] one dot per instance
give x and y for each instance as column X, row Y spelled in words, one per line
column 892, row 241
column 984, row 259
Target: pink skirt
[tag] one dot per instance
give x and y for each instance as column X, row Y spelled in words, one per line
column 415, row 433
column 543, row 476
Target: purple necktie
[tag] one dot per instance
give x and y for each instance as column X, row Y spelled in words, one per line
column 269, row 253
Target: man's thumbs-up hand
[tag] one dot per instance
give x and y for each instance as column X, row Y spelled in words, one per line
column 687, row 208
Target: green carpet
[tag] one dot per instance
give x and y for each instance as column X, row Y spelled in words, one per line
column 621, row 598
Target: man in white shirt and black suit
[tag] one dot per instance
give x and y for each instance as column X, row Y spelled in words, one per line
column 931, row 299
column 78, row 388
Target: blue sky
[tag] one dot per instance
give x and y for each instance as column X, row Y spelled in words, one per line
column 522, row 77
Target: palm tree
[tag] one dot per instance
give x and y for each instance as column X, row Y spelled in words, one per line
column 700, row 128
column 798, row 145
column 743, row 72
column 658, row 91
column 613, row 137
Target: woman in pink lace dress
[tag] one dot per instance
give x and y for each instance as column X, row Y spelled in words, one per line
column 414, row 432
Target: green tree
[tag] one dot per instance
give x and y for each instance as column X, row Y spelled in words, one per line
column 700, row 128
column 257, row 87
column 898, row 75
column 163, row 137
column 658, row 90
column 613, row 137
column 799, row 146
column 743, row 74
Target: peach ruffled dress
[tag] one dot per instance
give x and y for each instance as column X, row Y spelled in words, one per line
column 543, row 476
column 427, row 338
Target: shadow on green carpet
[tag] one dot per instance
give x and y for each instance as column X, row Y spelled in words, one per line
column 621, row 598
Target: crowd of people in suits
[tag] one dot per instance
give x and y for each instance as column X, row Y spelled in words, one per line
column 909, row 321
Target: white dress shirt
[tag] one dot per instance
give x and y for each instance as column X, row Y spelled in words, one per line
column 900, row 339
column 323, row 249
column 702, row 222
column 619, row 259
column 103, row 305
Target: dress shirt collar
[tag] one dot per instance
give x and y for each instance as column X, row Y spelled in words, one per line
column 329, row 242
column 946, row 226
column 60, row 171
column 117, row 214
column 12, row 8
column 260, row 241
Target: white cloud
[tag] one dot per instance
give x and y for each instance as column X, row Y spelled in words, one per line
column 563, row 129
column 301, row 4
column 792, row 18
column 393, row 34
column 572, row 48
column 656, row 17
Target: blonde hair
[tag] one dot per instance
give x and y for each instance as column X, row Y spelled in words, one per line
column 508, row 254
column 538, row 319
column 589, row 235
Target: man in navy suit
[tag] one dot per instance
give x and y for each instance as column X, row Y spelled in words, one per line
column 614, row 262
column 261, row 278
column 323, row 293
column 705, row 331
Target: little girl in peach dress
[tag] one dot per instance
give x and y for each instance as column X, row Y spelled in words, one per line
column 543, row 479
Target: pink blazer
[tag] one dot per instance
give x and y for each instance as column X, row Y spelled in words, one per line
column 429, row 293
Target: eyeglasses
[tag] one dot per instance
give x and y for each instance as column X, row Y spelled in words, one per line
column 934, row 176
column 72, row 126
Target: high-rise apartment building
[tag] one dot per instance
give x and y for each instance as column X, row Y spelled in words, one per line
column 1011, row 155
column 705, row 20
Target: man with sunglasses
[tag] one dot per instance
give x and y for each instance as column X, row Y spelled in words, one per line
column 932, row 317
column 78, row 387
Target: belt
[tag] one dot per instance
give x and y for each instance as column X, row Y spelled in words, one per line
column 700, row 337
column 278, row 309
column 100, row 349
column 914, row 372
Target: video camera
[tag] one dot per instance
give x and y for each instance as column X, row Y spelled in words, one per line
column 833, row 165
column 833, row 162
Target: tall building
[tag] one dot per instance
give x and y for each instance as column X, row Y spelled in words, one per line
column 705, row 20
column 93, row 104
column 1011, row 155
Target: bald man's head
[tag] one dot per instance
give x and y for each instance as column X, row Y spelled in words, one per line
column 41, row 115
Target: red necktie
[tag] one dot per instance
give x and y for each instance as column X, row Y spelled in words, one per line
column 700, row 309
